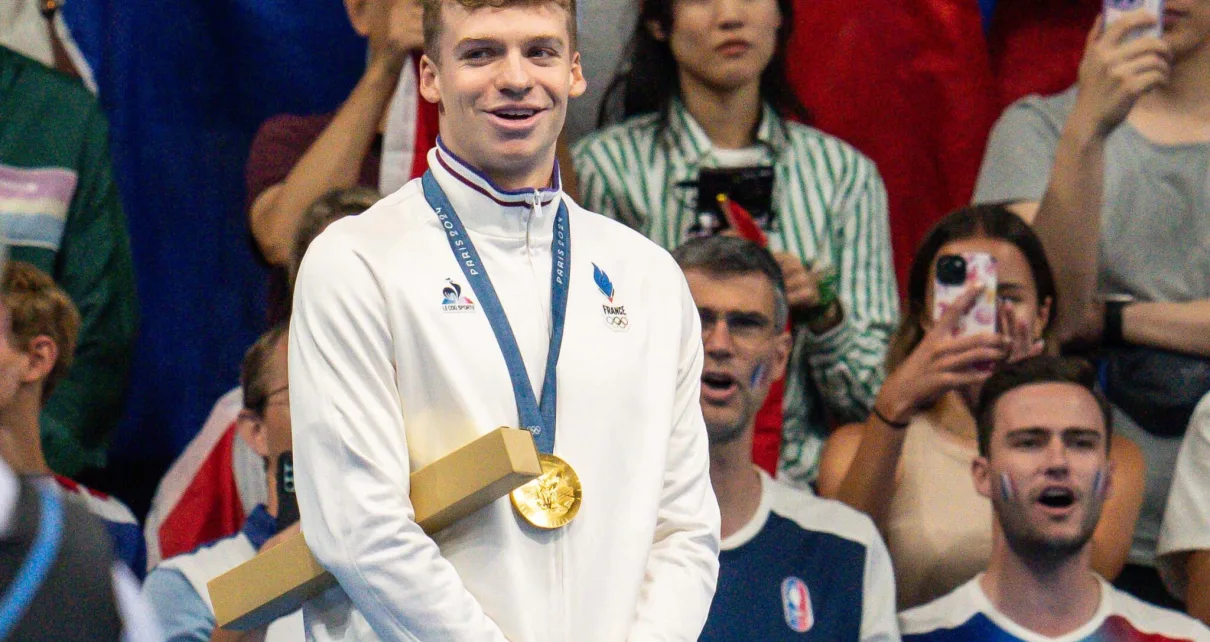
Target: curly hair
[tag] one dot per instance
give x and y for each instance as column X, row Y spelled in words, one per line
column 38, row 307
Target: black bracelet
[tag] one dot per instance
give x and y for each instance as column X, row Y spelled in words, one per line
column 897, row 425
column 1111, row 332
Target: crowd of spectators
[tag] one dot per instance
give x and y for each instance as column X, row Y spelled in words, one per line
column 869, row 456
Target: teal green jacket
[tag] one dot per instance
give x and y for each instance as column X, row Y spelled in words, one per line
column 59, row 210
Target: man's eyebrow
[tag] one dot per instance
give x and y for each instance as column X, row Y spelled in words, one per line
column 553, row 42
column 1080, row 431
column 1038, row 431
column 1031, row 431
column 471, row 43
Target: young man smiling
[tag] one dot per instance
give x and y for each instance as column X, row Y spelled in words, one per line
column 1044, row 445
column 452, row 307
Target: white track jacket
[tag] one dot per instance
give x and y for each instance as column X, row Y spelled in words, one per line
column 393, row 365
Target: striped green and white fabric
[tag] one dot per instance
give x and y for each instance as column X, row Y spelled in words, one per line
column 830, row 208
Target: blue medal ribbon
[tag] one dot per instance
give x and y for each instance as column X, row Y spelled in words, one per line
column 536, row 417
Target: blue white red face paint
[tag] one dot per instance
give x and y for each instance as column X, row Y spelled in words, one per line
column 758, row 376
column 1008, row 491
column 1099, row 483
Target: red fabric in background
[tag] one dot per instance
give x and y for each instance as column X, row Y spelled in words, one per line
column 766, row 437
column 910, row 85
column 1036, row 45
column 209, row 509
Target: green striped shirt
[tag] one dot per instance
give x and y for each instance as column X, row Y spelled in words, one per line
column 830, row 208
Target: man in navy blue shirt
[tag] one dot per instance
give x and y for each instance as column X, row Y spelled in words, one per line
column 793, row 566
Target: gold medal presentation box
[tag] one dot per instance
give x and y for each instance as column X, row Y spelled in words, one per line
column 279, row 580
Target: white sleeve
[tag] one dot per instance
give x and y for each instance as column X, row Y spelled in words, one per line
column 878, row 621
column 1186, row 524
column 138, row 622
column 682, row 570
column 351, row 457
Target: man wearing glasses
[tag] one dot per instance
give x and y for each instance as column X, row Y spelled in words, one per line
column 176, row 589
column 790, row 562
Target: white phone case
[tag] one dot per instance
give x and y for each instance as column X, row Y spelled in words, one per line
column 981, row 318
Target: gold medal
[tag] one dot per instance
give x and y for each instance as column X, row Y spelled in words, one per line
column 551, row 500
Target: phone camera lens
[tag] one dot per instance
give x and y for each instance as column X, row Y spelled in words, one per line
column 951, row 270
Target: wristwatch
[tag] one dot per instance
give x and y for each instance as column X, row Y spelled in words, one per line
column 1111, row 322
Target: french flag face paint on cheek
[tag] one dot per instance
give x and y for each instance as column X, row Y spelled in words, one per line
column 1007, row 491
column 1098, row 484
column 758, row 376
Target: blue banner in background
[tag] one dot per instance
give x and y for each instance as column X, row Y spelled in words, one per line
column 185, row 84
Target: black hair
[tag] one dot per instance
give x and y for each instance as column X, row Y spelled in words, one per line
column 648, row 81
column 732, row 256
column 976, row 221
column 1035, row 370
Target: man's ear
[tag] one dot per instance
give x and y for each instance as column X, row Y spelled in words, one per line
column 41, row 356
column 251, row 429
column 359, row 15
column 430, row 87
column 781, row 354
column 578, row 83
column 982, row 475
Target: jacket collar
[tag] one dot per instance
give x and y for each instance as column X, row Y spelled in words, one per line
column 490, row 209
column 684, row 135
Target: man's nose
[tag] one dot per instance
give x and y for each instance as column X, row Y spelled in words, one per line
column 716, row 337
column 515, row 76
column 1057, row 458
column 731, row 13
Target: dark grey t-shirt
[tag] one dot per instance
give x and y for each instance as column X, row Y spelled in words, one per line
column 1154, row 246
column 1155, row 221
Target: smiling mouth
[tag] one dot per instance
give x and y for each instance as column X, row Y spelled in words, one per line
column 516, row 114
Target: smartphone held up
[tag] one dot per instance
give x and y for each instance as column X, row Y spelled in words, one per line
column 954, row 275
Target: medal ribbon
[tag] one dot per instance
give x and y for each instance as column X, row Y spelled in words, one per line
column 536, row 417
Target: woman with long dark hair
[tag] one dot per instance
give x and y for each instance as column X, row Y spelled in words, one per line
column 705, row 89
column 908, row 466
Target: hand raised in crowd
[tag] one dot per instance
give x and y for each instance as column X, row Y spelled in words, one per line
column 394, row 28
column 1117, row 69
column 802, row 285
column 1018, row 331
column 940, row 363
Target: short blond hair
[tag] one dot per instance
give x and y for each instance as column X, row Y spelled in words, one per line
column 432, row 17
column 39, row 307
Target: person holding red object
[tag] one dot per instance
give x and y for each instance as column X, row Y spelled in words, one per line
column 706, row 95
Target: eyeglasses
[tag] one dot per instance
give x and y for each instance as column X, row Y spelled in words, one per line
column 740, row 325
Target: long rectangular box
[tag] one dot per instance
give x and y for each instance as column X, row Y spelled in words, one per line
column 279, row 580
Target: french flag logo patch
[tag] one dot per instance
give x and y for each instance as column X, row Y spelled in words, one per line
column 796, row 605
